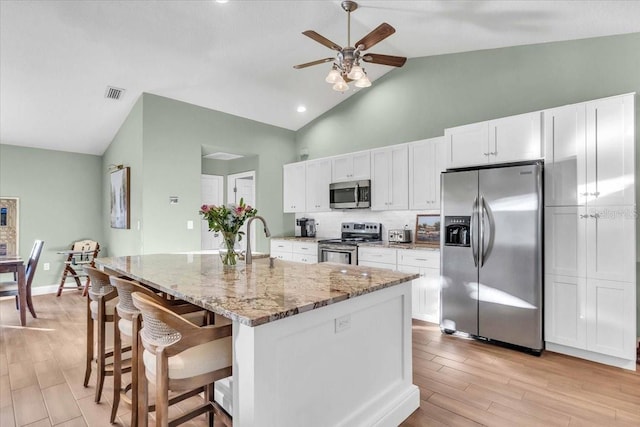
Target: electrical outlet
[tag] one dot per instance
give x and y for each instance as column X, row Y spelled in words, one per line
column 189, row 225
column 343, row 323
column 46, row 266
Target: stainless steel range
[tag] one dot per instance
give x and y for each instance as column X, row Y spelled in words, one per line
column 345, row 249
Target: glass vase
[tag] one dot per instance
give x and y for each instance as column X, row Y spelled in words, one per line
column 229, row 249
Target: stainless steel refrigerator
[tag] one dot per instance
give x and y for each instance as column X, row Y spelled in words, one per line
column 491, row 225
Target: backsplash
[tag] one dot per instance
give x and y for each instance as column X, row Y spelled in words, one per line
column 328, row 223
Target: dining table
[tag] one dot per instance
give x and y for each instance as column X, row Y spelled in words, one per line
column 15, row 264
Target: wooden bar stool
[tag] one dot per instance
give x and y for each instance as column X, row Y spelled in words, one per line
column 101, row 304
column 180, row 356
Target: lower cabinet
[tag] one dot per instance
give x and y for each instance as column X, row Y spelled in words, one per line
column 425, row 298
column 288, row 250
column 591, row 314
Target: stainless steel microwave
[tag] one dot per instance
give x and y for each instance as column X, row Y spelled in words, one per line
column 350, row 195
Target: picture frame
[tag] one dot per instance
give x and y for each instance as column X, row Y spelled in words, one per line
column 427, row 232
column 120, row 212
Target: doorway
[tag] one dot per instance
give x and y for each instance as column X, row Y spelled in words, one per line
column 243, row 186
column 212, row 193
column 9, row 239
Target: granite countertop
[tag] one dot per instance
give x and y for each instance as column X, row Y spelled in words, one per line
column 300, row 239
column 253, row 294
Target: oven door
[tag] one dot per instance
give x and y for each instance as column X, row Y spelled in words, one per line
column 343, row 254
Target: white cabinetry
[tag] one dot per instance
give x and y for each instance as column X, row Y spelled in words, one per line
column 390, row 178
column 351, row 167
column 294, row 182
column 425, row 298
column 503, row 140
column 318, row 178
column 426, row 161
column 590, row 245
column 377, row 257
column 426, row 289
column 289, row 250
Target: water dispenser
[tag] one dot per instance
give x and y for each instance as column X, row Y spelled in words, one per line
column 457, row 231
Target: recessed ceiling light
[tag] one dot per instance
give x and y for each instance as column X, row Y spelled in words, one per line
column 301, row 109
column 222, row 1
column 220, row 155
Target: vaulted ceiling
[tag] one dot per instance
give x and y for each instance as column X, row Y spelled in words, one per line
column 58, row 57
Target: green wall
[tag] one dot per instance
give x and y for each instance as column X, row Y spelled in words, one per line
column 60, row 201
column 430, row 94
column 125, row 149
column 173, row 136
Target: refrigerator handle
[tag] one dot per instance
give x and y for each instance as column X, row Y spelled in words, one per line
column 485, row 211
column 481, row 242
column 472, row 231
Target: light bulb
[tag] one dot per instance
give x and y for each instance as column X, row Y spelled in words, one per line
column 341, row 86
column 333, row 76
column 363, row 82
column 356, row 73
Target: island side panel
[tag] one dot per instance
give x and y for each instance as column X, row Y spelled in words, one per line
column 346, row 364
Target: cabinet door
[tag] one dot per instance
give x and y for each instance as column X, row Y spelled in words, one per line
column 565, row 173
column 565, row 241
column 515, row 138
column 565, row 311
column 611, row 316
column 293, row 194
column 610, row 151
column 380, row 179
column 399, row 178
column 611, row 243
column 426, row 161
column 467, row 145
column 341, row 168
column 361, row 168
column 318, row 178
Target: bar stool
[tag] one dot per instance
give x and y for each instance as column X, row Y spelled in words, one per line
column 180, row 356
column 127, row 323
column 100, row 311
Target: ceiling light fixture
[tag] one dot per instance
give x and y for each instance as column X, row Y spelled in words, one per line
column 222, row 1
column 346, row 65
column 301, row 109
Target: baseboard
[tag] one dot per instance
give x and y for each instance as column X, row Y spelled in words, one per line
column 594, row 357
column 44, row 290
column 400, row 409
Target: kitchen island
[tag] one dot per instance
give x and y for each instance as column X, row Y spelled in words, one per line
column 314, row 345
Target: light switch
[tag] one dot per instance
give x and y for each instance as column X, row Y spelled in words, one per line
column 46, row 266
column 189, row 225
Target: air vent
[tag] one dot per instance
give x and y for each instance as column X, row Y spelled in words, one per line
column 113, row 92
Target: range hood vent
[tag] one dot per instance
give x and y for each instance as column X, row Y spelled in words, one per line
column 113, row 93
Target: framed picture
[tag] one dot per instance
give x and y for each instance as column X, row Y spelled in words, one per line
column 120, row 210
column 428, row 230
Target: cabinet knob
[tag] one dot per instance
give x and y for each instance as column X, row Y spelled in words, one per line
column 596, row 216
column 584, row 216
column 596, row 194
column 493, row 153
column 486, row 154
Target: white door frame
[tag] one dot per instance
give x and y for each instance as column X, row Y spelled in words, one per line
column 231, row 196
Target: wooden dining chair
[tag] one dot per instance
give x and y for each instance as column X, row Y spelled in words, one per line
column 127, row 322
column 101, row 304
column 11, row 288
column 180, row 356
column 83, row 252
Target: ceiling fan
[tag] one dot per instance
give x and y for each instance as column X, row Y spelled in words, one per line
column 346, row 64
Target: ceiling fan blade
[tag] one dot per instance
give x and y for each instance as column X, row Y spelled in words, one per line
column 394, row 61
column 309, row 64
column 383, row 31
column 322, row 40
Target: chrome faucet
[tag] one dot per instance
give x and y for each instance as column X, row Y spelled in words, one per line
column 267, row 233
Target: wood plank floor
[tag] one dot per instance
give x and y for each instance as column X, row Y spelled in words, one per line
column 462, row 382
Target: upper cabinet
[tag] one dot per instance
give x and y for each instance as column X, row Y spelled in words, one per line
column 390, row 178
column 505, row 140
column 590, row 153
column 426, row 161
column 318, row 179
column 294, row 183
column 351, row 167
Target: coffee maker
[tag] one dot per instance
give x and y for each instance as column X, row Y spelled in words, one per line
column 305, row 227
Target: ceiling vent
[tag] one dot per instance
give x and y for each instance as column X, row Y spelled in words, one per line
column 113, row 93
